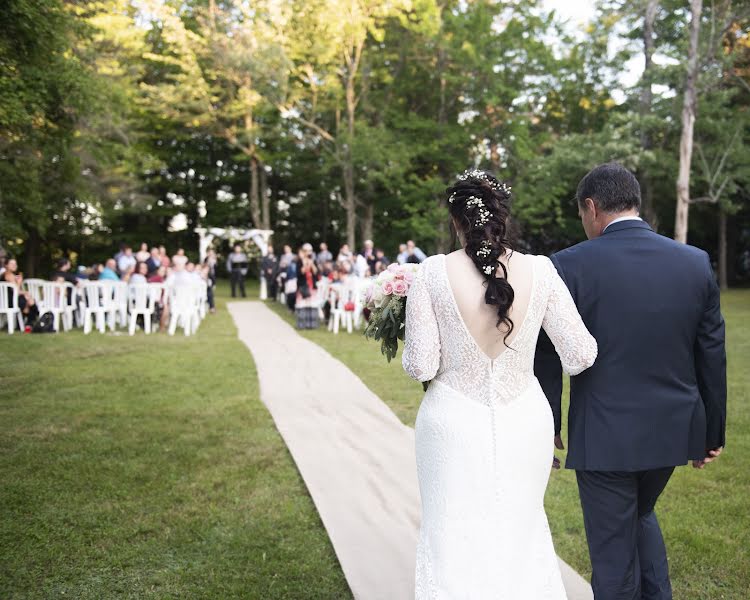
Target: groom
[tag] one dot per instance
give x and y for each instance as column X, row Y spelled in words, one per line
column 656, row 397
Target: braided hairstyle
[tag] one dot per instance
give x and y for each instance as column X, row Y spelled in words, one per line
column 480, row 207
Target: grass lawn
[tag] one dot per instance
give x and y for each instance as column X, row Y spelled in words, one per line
column 704, row 514
column 148, row 467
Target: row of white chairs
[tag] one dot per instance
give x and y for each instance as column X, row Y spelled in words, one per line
column 340, row 296
column 108, row 304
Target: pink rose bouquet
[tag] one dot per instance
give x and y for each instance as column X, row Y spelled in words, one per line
column 386, row 298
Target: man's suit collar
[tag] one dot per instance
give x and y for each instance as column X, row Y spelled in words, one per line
column 629, row 224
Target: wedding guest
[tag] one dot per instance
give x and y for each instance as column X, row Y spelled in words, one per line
column 63, row 272
column 361, row 268
column 403, row 254
column 158, row 276
column 306, row 306
column 154, row 260
column 205, row 273
column 237, row 267
column 269, row 266
column 324, row 255
column 109, row 272
column 290, row 284
column 126, row 261
column 140, row 275
column 369, row 253
column 381, row 262
column 26, row 301
column 416, row 251
column 164, row 257
column 178, row 275
column 345, row 254
column 142, row 255
column 211, row 262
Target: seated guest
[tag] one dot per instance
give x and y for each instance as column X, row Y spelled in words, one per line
column 345, row 254
column 142, row 255
column 164, row 257
column 381, row 262
column 26, row 301
column 126, row 261
column 140, row 275
column 414, row 251
column 158, row 276
column 154, row 260
column 63, row 272
column 109, row 272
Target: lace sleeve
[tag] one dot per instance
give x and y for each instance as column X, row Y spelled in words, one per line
column 574, row 344
column 421, row 358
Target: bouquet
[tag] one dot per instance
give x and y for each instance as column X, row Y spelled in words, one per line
column 385, row 298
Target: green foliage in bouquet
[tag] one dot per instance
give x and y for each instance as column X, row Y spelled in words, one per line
column 387, row 325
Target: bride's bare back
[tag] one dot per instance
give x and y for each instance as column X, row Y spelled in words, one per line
column 468, row 287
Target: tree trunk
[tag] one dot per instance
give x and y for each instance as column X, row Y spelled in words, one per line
column 688, row 123
column 646, row 103
column 723, row 277
column 367, row 222
column 265, row 199
column 32, row 254
column 254, row 203
column 350, row 206
column 350, row 198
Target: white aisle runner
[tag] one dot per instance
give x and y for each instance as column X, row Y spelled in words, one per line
column 355, row 456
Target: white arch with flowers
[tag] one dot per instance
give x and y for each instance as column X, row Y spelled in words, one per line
column 206, row 236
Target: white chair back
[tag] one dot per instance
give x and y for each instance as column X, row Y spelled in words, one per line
column 140, row 297
column 8, row 296
column 34, row 287
column 53, row 298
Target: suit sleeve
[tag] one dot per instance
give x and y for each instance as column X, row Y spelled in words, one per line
column 711, row 365
column 548, row 370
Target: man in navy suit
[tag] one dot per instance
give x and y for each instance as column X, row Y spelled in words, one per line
column 656, row 397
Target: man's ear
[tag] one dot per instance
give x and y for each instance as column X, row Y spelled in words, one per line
column 591, row 207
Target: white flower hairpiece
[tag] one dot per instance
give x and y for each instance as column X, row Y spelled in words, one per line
column 482, row 176
column 488, row 269
column 485, row 249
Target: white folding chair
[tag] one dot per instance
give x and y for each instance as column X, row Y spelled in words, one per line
column 323, row 287
column 70, row 306
column 183, row 308
column 9, row 308
column 339, row 315
column 120, row 301
column 97, row 303
column 54, row 298
column 34, row 287
column 141, row 303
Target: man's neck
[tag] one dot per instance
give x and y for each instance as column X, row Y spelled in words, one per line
column 630, row 214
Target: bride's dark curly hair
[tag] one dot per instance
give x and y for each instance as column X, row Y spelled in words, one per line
column 480, row 207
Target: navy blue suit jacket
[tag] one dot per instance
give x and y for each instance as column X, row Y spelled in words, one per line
column 656, row 396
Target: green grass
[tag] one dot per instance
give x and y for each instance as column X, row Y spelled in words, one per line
column 704, row 514
column 148, row 467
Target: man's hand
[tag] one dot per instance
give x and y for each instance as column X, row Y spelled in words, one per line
column 711, row 457
column 560, row 446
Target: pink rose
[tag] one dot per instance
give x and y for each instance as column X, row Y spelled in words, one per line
column 393, row 267
column 388, row 288
column 400, row 287
column 409, row 277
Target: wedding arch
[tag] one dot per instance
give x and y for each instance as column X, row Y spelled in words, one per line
column 260, row 237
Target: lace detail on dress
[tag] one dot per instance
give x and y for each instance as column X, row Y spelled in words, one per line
column 438, row 344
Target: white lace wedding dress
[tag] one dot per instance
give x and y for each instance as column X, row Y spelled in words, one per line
column 484, row 441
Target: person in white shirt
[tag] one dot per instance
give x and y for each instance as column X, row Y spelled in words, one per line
column 127, row 261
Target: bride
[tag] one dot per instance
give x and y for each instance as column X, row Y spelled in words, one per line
column 484, row 432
